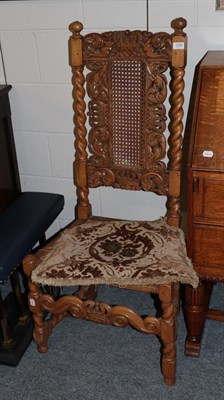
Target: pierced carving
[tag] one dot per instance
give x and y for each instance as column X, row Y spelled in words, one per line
column 152, row 181
column 95, row 311
column 126, row 111
column 127, row 88
column 100, row 177
column 75, row 307
column 101, row 45
column 155, row 182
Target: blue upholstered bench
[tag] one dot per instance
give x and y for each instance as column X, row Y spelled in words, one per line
column 24, row 219
column 22, row 224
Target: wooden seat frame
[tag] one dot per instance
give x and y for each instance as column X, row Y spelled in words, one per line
column 158, row 52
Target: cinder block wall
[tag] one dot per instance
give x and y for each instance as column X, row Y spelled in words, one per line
column 34, row 36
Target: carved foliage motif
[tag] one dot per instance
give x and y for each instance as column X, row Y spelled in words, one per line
column 145, row 100
column 152, row 44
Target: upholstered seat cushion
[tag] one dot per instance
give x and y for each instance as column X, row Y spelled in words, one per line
column 116, row 252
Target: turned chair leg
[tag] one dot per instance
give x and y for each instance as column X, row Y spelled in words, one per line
column 167, row 295
column 40, row 332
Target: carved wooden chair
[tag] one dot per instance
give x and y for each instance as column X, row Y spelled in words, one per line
column 127, row 85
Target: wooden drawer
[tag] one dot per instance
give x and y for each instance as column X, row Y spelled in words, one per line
column 208, row 198
column 208, row 249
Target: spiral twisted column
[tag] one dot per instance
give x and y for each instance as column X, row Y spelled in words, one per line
column 178, row 62
column 79, row 106
column 176, row 118
column 176, row 141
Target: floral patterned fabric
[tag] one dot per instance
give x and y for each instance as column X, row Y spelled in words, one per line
column 115, row 252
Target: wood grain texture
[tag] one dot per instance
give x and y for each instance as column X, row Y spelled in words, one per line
column 206, row 196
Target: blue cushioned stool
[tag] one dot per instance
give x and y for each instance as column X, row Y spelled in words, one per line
column 24, row 219
column 23, row 224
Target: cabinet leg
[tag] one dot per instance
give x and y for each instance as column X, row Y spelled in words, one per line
column 195, row 310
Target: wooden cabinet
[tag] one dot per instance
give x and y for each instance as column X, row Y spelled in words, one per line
column 205, row 203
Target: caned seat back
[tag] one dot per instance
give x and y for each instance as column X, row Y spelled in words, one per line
column 127, row 76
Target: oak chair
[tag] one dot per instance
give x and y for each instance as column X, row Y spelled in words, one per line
column 127, row 85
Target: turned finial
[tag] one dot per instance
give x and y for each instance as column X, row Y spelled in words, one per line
column 75, row 44
column 76, row 27
column 178, row 24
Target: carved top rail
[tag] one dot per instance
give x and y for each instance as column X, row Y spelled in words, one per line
column 127, row 44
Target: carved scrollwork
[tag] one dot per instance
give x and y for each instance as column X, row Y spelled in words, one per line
column 119, row 316
column 127, row 179
column 96, row 311
column 97, row 86
column 130, row 57
column 150, row 181
column 121, row 321
column 157, row 83
column 155, row 150
column 97, row 44
column 152, row 325
column 155, row 142
column 122, row 316
column 161, row 44
column 155, row 182
column 153, row 45
column 100, row 176
column 46, row 302
column 99, row 139
column 77, row 311
column 156, row 119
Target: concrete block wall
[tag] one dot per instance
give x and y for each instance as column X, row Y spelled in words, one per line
column 34, row 36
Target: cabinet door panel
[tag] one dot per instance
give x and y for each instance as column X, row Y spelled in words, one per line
column 208, row 199
column 208, row 246
column 214, row 198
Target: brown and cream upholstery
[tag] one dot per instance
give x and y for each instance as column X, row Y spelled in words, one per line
column 115, row 253
column 125, row 77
